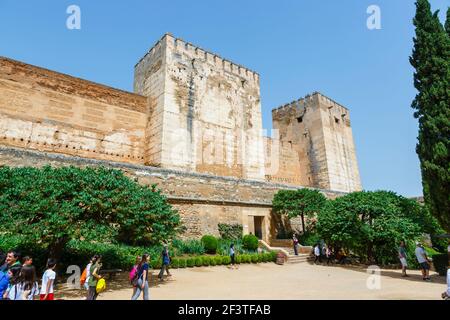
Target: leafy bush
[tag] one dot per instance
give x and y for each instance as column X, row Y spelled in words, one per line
column 206, row 261
column 440, row 262
column 194, row 247
column 52, row 206
column 210, row 244
column 174, row 263
column 190, row 262
column 309, row 238
column 255, row 258
column 218, row 260
column 238, row 259
column 273, row 256
column 246, row 258
column 226, row 260
column 156, row 264
column 198, row 261
column 250, row 242
column 230, row 231
column 182, row 263
column 260, row 257
column 213, row 261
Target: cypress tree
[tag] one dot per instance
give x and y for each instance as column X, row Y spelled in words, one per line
column 431, row 59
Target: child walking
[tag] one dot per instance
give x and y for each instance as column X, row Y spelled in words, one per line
column 48, row 280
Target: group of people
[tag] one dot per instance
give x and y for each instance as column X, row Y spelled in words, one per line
column 18, row 279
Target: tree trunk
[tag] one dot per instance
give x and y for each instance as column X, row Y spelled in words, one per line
column 55, row 250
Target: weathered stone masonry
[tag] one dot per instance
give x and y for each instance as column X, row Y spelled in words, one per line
column 193, row 127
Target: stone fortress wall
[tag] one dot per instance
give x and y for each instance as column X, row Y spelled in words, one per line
column 193, row 126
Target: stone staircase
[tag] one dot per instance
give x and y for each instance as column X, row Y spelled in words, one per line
column 303, row 253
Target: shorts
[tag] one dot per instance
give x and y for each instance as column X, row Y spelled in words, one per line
column 425, row 266
column 403, row 262
column 49, row 297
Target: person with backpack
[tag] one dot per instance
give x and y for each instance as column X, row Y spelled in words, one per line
column 141, row 279
column 26, row 288
column 84, row 279
column 133, row 273
column 48, row 281
column 94, row 277
column 328, row 254
column 165, row 263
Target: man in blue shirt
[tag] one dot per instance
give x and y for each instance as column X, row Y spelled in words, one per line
column 165, row 263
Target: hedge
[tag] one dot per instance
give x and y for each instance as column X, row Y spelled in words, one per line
column 210, row 244
column 198, row 261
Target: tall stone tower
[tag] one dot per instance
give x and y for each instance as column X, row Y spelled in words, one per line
column 205, row 111
column 316, row 145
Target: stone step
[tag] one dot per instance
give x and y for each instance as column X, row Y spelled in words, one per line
column 298, row 259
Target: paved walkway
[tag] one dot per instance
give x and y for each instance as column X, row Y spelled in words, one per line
column 295, row 281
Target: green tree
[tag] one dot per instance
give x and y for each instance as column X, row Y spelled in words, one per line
column 447, row 22
column 301, row 202
column 51, row 206
column 370, row 224
column 431, row 60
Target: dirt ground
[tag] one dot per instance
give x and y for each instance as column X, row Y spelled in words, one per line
column 270, row 281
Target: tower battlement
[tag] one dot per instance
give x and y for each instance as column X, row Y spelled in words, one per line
column 205, row 55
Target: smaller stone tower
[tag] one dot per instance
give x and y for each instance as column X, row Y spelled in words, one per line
column 316, row 146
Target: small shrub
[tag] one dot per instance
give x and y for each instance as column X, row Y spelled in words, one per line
column 174, row 263
column 260, row 257
column 213, row 261
column 250, row 242
column 218, row 260
column 206, row 261
column 226, row 260
column 182, row 263
column 210, row 244
column 190, row 262
column 238, row 259
column 267, row 257
column 255, row 258
column 246, row 258
column 156, row 264
column 198, row 261
column 273, row 256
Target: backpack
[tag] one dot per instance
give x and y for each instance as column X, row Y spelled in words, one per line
column 83, row 277
column 133, row 274
column 101, row 286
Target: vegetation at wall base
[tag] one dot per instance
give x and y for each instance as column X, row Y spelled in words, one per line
column 230, row 231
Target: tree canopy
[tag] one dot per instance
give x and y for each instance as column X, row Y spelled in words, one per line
column 431, row 60
column 301, row 202
column 372, row 224
column 51, row 206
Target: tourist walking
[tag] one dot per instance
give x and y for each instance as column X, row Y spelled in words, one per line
column 295, row 243
column 423, row 260
column 402, row 256
column 165, row 257
column 317, row 254
column 134, row 273
column 48, row 281
column 328, row 254
column 13, row 275
column 233, row 256
column 142, row 279
column 4, row 277
column 94, row 276
column 26, row 288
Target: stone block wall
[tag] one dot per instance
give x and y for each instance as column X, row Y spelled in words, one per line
column 48, row 111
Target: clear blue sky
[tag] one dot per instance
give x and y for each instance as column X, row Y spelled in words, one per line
column 297, row 46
